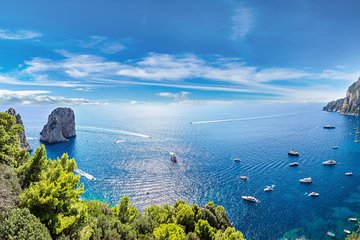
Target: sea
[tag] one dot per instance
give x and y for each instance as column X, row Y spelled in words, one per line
column 123, row 149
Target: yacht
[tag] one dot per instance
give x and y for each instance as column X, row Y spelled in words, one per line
column 237, row 159
column 329, row 162
column 268, row 189
column 245, row 178
column 330, row 234
column 306, row 180
column 352, row 219
column 347, row 231
column 329, row 126
column 294, row 164
column 348, row 173
column 250, row 199
column 173, row 157
column 293, row 153
column 314, row 194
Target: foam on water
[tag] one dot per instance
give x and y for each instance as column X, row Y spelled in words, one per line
column 98, row 129
column 85, row 174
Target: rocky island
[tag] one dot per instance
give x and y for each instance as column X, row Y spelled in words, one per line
column 350, row 105
column 22, row 137
column 60, row 126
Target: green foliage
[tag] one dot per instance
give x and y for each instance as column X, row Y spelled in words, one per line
column 9, row 188
column 185, row 216
column 20, row 224
column 54, row 198
column 10, row 152
column 204, row 230
column 126, row 211
column 169, row 231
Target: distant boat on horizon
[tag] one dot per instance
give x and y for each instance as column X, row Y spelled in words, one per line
column 328, row 126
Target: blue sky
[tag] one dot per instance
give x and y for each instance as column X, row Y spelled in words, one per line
column 191, row 52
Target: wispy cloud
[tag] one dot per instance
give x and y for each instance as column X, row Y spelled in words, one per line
column 242, row 22
column 103, row 44
column 18, row 34
column 179, row 97
column 37, row 97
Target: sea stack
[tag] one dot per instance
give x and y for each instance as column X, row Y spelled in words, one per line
column 350, row 105
column 22, row 137
column 60, row 126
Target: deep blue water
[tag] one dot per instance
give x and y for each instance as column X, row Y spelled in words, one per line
column 111, row 144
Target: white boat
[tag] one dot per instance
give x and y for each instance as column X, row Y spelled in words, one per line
column 330, row 234
column 294, row 164
column 348, row 173
column 314, row 194
column 268, row 189
column 85, row 174
column 250, row 199
column 329, row 162
column 352, row 219
column 347, row 231
column 237, row 159
column 245, row 178
column 306, row 180
column 293, row 153
column 173, row 157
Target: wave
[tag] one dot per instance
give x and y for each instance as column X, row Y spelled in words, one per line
column 120, row 141
column 85, row 174
column 114, row 131
column 242, row 119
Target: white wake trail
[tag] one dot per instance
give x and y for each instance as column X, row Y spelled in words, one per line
column 242, row 119
column 114, row 131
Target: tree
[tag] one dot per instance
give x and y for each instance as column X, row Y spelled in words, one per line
column 9, row 188
column 20, row 224
column 229, row 234
column 169, row 231
column 54, row 199
column 126, row 211
column 204, row 230
column 185, row 216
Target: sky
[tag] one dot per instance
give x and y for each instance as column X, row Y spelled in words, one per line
column 167, row 51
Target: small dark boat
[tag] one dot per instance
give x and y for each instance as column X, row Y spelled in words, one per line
column 329, row 126
column 335, row 147
column 173, row 157
column 293, row 153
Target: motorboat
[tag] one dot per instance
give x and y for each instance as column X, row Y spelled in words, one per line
column 329, row 162
column 348, row 173
column 347, row 231
column 237, row 159
column 293, row 153
column 245, row 178
column 306, row 180
column 352, row 219
column 294, row 164
column 328, row 126
column 173, row 157
column 314, row 194
column 330, row 234
column 268, row 189
column 250, row 199
column 335, row 147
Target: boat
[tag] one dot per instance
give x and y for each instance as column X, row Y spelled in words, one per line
column 348, row 173
column 306, row 180
column 314, row 194
column 329, row 126
column 250, row 199
column 293, row 153
column 173, row 157
column 347, row 231
column 352, row 219
column 294, row 164
column 245, row 178
column 237, row 159
column 330, row 234
column 329, row 162
column 268, row 189
column 335, row 147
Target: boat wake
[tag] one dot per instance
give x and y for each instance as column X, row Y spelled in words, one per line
column 113, row 131
column 243, row 119
column 120, row 141
column 85, row 174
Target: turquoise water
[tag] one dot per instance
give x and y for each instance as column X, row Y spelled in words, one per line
column 126, row 148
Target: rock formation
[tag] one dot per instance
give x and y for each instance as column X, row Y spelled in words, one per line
column 350, row 105
column 60, row 126
column 22, row 137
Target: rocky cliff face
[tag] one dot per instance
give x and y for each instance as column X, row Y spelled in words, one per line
column 22, row 137
column 60, row 126
column 350, row 105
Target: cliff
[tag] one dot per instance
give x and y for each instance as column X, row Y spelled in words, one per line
column 60, row 126
column 350, row 105
column 22, row 137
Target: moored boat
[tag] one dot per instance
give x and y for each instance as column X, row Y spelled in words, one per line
column 329, row 162
column 294, row 164
column 348, row 173
column 237, row 159
column 293, row 153
column 347, row 231
column 328, row 126
column 250, row 199
column 173, row 157
column 314, row 194
column 245, row 178
column 306, row 180
column 268, row 189
column 352, row 219
column 335, row 147
column 330, row 234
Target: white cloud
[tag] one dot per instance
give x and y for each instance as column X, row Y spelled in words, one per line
column 37, row 97
column 179, row 97
column 18, row 35
column 242, row 22
column 103, row 44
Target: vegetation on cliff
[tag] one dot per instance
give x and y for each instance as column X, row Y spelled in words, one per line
column 40, row 199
